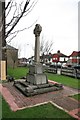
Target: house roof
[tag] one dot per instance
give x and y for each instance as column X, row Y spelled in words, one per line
column 60, row 55
column 10, row 47
column 75, row 54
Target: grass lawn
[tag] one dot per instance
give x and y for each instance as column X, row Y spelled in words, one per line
column 77, row 97
column 42, row 111
column 65, row 80
column 17, row 72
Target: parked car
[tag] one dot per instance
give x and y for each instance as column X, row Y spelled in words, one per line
column 58, row 65
column 76, row 66
column 64, row 65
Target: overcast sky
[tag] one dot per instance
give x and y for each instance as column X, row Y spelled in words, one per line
column 59, row 21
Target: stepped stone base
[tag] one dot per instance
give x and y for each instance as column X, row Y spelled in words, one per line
column 36, row 82
column 29, row 89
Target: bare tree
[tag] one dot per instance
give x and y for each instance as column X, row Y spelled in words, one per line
column 8, row 28
column 46, row 46
column 18, row 12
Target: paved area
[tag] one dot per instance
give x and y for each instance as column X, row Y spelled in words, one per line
column 60, row 98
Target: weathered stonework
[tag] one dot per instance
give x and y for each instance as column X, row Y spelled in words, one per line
column 36, row 81
column 36, row 75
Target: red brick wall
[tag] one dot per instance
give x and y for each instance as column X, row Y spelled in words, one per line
column 55, row 58
column 75, row 60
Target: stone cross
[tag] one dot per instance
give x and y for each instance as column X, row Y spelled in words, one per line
column 37, row 31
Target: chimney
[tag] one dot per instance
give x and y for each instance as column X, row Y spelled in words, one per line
column 58, row 51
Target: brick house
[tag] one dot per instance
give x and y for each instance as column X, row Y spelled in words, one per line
column 12, row 56
column 59, row 57
column 75, row 58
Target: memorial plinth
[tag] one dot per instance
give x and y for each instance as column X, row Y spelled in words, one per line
column 36, row 75
column 36, row 81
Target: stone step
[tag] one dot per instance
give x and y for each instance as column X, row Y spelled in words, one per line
column 43, row 85
column 47, row 89
column 25, row 84
column 30, row 89
column 42, row 90
column 30, row 92
column 20, row 87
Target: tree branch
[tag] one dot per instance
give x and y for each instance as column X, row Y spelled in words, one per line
column 14, row 17
column 30, row 8
column 16, row 32
column 46, row 46
column 12, row 38
column 9, row 9
column 8, row 4
column 26, row 4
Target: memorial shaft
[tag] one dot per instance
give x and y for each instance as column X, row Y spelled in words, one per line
column 37, row 49
column 37, row 32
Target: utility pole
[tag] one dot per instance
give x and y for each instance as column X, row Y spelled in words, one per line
column 79, row 26
column 3, row 56
column 79, row 30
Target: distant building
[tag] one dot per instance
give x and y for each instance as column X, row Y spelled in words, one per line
column 75, row 58
column 12, row 56
column 22, row 60
column 46, row 58
column 59, row 57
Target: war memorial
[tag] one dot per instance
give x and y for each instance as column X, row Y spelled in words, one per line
column 36, row 80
